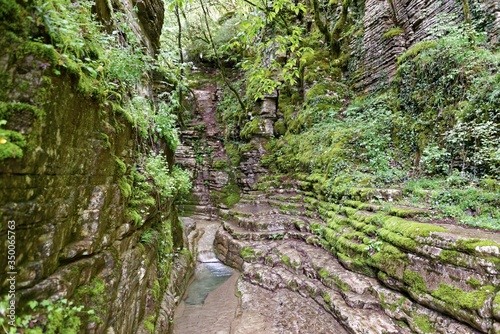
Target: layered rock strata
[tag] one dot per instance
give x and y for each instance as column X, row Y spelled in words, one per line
column 73, row 236
column 366, row 276
column 415, row 19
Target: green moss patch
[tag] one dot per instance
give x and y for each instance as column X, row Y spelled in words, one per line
column 255, row 126
column 11, row 143
column 248, row 254
column 93, row 294
column 404, row 212
column 416, row 49
column 424, row 324
column 389, row 259
column 323, row 273
column 473, row 246
column 410, row 228
column 397, row 239
column 220, row 165
column 395, row 31
column 279, row 128
column 458, row 299
column 286, row 260
column 229, row 195
column 474, row 282
column 496, row 305
column 453, row 257
column 414, row 281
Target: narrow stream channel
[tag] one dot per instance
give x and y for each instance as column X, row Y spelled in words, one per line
column 210, row 303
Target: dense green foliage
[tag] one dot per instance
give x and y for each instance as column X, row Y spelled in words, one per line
column 103, row 64
column 151, row 184
column 50, row 317
column 437, row 120
column 70, row 40
column 448, row 93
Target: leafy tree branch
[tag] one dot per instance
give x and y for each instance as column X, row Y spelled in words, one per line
column 219, row 64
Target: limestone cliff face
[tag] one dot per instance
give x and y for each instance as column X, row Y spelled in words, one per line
column 73, row 236
column 414, row 17
column 250, row 162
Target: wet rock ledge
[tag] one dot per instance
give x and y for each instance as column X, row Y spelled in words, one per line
column 360, row 268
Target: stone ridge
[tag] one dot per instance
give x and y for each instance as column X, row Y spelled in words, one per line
column 371, row 270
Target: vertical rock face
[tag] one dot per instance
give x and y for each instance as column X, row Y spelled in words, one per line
column 379, row 54
column 493, row 7
column 414, row 17
column 202, row 153
column 145, row 19
column 69, row 212
column 150, row 14
column 73, row 237
column 250, row 165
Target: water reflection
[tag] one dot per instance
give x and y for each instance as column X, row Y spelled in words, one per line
column 208, row 277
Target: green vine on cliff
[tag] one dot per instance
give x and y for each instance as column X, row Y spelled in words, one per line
column 448, row 98
column 151, row 184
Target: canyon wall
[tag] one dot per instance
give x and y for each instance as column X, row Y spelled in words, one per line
column 74, row 238
column 415, row 18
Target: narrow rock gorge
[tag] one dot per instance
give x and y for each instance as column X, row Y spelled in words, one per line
column 269, row 167
column 303, row 272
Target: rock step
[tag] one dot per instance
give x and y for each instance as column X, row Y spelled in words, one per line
column 265, row 222
column 205, row 209
column 248, row 209
column 274, row 222
column 358, row 313
column 242, row 234
column 294, row 196
column 282, row 311
column 362, row 236
column 353, row 299
column 305, row 259
column 303, row 201
column 402, row 211
column 314, row 189
column 285, row 205
column 262, row 205
column 268, row 219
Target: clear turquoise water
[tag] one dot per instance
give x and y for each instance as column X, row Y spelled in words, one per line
column 207, row 277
